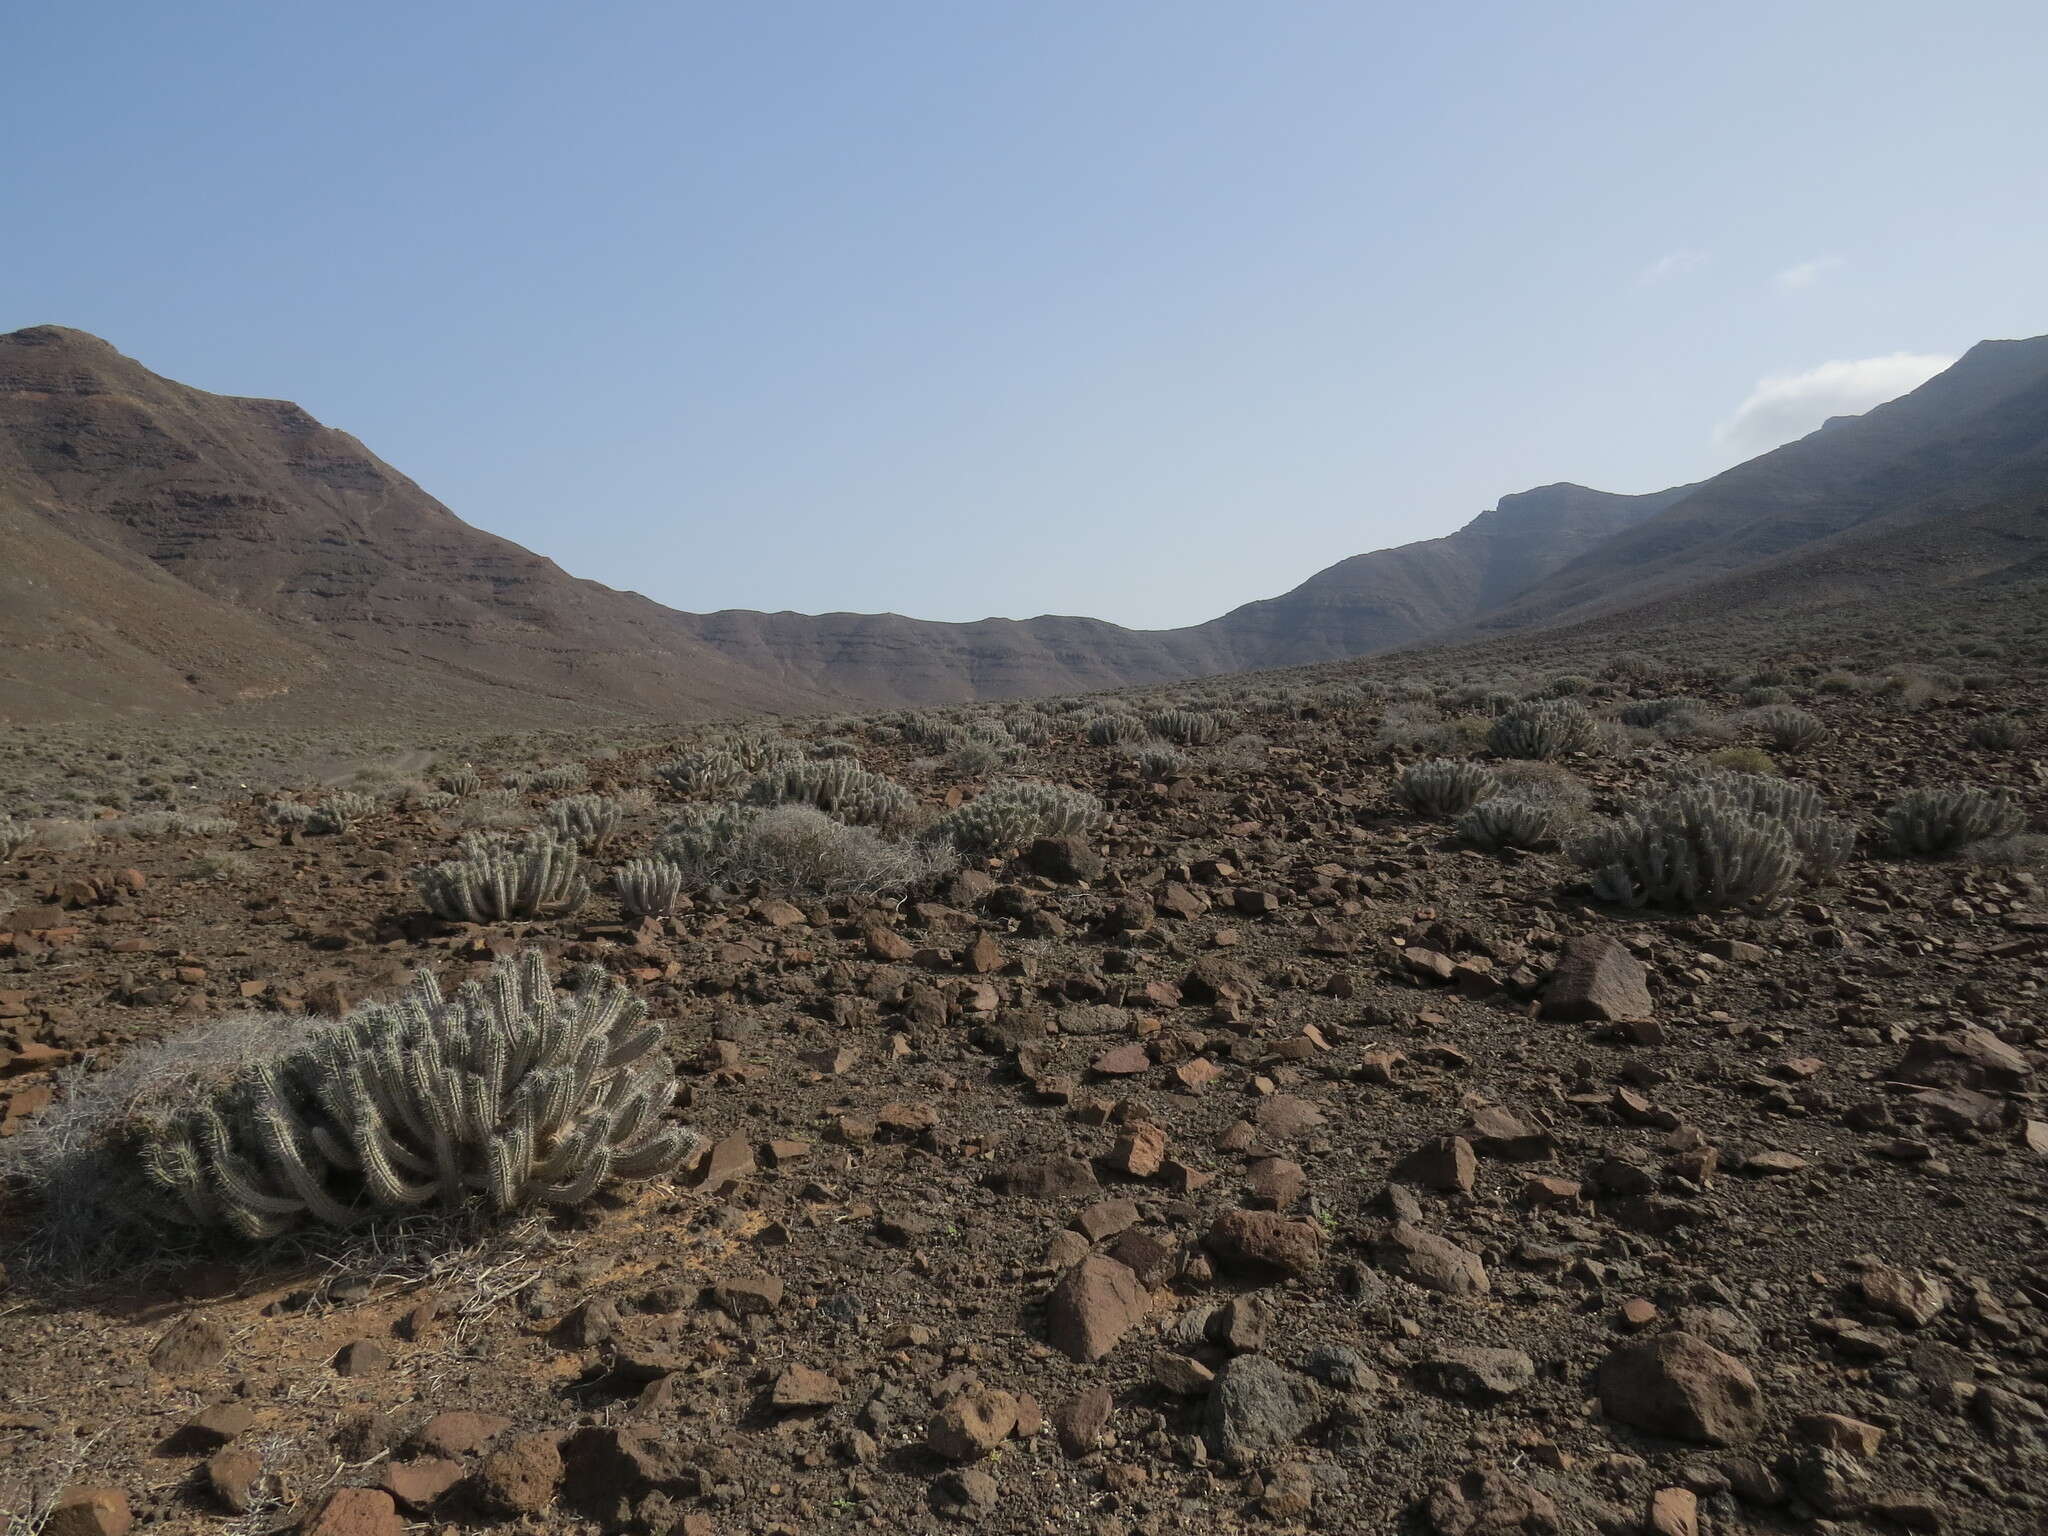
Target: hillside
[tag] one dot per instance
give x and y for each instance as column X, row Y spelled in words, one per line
column 174, row 551
column 1972, row 442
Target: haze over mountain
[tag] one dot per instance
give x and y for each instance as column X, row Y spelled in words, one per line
column 172, row 550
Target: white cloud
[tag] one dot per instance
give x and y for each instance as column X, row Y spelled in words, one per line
column 1671, row 264
column 1791, row 405
column 1806, row 273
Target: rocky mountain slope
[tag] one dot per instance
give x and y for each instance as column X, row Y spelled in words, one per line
column 177, row 550
column 1918, row 477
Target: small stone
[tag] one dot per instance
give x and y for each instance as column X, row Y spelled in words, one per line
column 1141, row 1153
column 189, row 1346
column 1431, row 1261
column 1182, row 1375
column 231, row 1476
column 457, row 1434
column 1258, row 1405
column 1095, row 1304
column 1081, row 1419
column 1483, row 1502
column 521, row 1477
column 419, row 1482
column 1673, row 1512
column 1914, row 1298
column 972, row 1424
column 1839, row 1432
column 1597, row 980
column 1290, row 1492
column 1257, row 1241
column 801, row 1386
column 356, row 1512
column 362, row 1357
column 89, row 1512
column 1478, row 1374
column 1681, row 1386
column 212, row 1428
column 748, row 1295
column 1276, row 1182
column 1444, row 1163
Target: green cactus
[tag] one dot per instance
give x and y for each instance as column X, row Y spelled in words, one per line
column 1932, row 822
column 1113, row 730
column 1444, row 786
column 649, row 887
column 713, row 771
column 1545, row 729
column 1012, row 814
column 1788, row 729
column 504, row 1093
column 592, row 822
column 461, row 782
column 1510, row 821
column 495, row 879
column 841, row 788
column 1188, row 727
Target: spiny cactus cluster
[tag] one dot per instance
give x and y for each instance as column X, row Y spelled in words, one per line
column 290, row 813
column 713, row 771
column 649, row 887
column 494, row 878
column 1013, row 814
column 1159, row 763
column 1511, row 821
column 1932, row 822
column 592, row 822
column 1648, row 714
column 1113, row 730
column 1721, row 840
column 340, row 812
column 1998, row 733
column 562, row 778
column 14, row 836
column 1544, row 729
column 505, row 1093
column 461, row 782
column 1188, row 727
column 841, row 788
column 932, row 732
column 1444, row 786
column 1788, row 729
column 792, row 849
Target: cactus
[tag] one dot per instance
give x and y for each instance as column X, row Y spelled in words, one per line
column 1159, row 763
column 1510, row 821
column 1998, row 733
column 649, row 887
column 1113, row 730
column 495, row 879
column 840, row 788
column 1648, row 714
column 504, row 1093
column 1722, row 839
column 340, row 812
column 714, row 771
column 592, row 822
column 1544, row 729
column 290, row 813
column 1788, row 729
column 1443, row 786
column 1189, row 728
column 14, row 836
column 1013, row 814
column 461, row 782
column 1930, row 822
column 562, row 778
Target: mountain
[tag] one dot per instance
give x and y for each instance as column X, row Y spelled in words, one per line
column 1972, row 441
column 171, row 550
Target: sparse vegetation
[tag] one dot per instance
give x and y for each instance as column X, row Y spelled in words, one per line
column 1444, row 786
column 495, row 879
column 1932, row 822
column 1014, row 814
column 1725, row 839
column 1788, row 729
column 1545, row 729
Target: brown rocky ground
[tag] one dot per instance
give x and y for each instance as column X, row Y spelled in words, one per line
column 1295, row 1168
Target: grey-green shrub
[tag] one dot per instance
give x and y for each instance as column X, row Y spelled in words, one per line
column 504, row 1093
column 1931, row 822
column 1113, row 730
column 794, row 850
column 1189, row 728
column 495, row 879
column 461, row 782
column 592, row 822
column 340, row 812
column 841, row 788
column 649, row 887
column 14, row 836
column 290, row 813
column 1650, row 714
column 1998, row 733
column 1547, row 728
column 1444, row 786
column 1012, row 814
column 1159, row 762
column 1788, row 729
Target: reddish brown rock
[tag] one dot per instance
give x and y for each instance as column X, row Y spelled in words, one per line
column 417, row 1483
column 1597, row 980
column 972, row 1424
column 89, row 1512
column 521, row 1478
column 1682, row 1387
column 1261, row 1241
column 356, row 1512
column 1095, row 1304
column 1433, row 1262
column 1081, row 1420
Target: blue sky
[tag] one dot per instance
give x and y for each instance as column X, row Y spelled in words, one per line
column 1133, row 308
